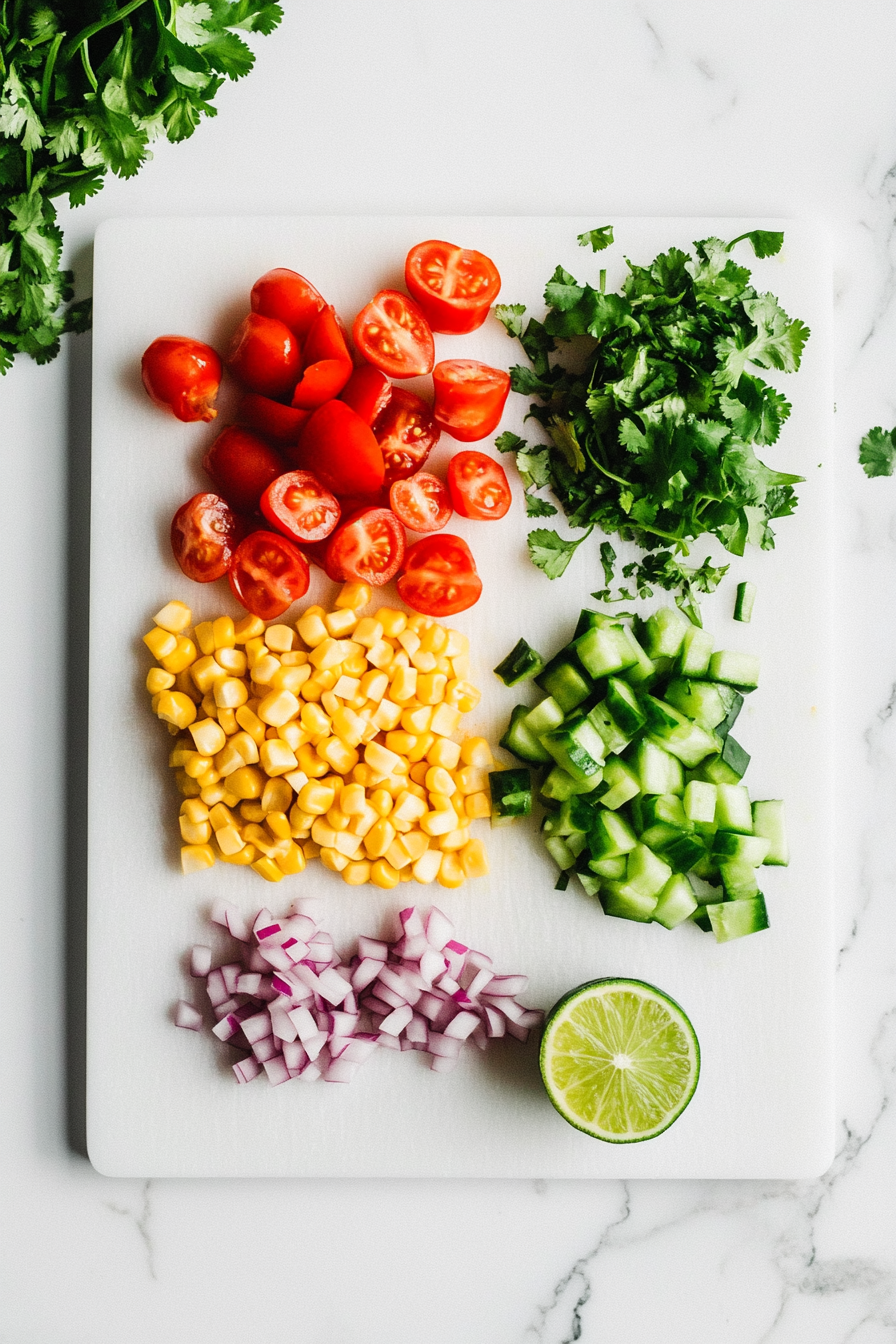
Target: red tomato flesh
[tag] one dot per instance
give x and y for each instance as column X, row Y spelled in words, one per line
column 455, row 287
column 421, row 502
column 392, row 334
column 368, row 548
column 242, row 466
column 406, row 434
column 341, row 451
column 183, row 376
column 205, row 532
column 326, row 362
column 478, row 485
column 367, row 392
column 289, row 297
column 267, row 574
column 297, row 504
column 265, row 356
column 470, row 398
column 439, row 577
column 282, row 424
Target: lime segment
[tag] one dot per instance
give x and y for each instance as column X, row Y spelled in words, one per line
column 619, row 1059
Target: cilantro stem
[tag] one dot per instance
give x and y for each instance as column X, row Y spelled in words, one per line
column 87, row 33
column 88, row 68
column 48, row 74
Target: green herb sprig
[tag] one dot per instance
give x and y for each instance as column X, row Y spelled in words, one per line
column 86, row 87
column 654, row 439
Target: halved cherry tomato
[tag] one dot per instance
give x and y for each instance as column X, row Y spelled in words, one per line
column 297, row 504
column 421, row 502
column 470, row 398
column 288, row 296
column 205, row 532
column 265, row 356
column 368, row 548
column 478, row 485
column 406, row 434
column 341, row 451
column 183, row 376
column 267, row 574
column 316, row 553
column 439, row 577
column 242, row 466
column 326, row 362
column 367, row 392
column 454, row 287
column 392, row 333
column 271, row 418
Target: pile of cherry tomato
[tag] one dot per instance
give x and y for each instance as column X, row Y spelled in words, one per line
column 325, row 461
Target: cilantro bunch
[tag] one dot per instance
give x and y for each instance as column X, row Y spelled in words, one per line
column 86, row 86
column 653, row 411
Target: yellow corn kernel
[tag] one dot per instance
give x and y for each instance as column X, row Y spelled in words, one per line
column 316, row 798
column 338, row 755
column 290, row 678
column 194, row 810
column 356, row 874
column 407, row 808
column 310, row 763
column 330, row 702
column 338, row 819
column 366, row 820
column 415, row 843
column 332, row 859
column 212, row 793
column 251, row 724
column 421, row 747
column 393, row 622
column 405, row 875
column 434, row 639
column 208, row 706
column 477, row 806
column 262, row 840
column 460, row 667
column 438, row 780
column 445, row 720
column 224, row 633
column 300, row 822
column 380, row 655
column 426, row 868
column 204, row 634
column 292, row 861
column 401, row 742
column 374, row 684
column 463, row 695
column 253, row 812
column 243, row 858
column 379, row 838
column 355, row 665
column 311, row 627
column 471, row 778
column 184, row 683
column 233, row 661
column 457, row 643
column 189, row 788
column 230, row 799
column 474, row 859
column 381, row 801
column 278, row 708
column 341, row 622
column 354, row 595
column 176, row 708
column 280, row 638
column 255, row 649
column 418, row 771
column 346, row 688
column 268, row 869
column 229, row 839
column 158, row 680
column 442, row 802
column 161, row 643
column 276, row 757
column 310, row 849
column 248, row 627
column 209, row 737
column 296, row 779
column 347, row 843
column 353, row 801
column 396, row 855
column 221, row 815
column 446, row 667
column 399, row 659
column 419, row 622
column 476, row 751
column 454, row 840
column 294, row 658
column 409, row 641
column 416, row 719
column 174, row 617
column 424, row 662
column 193, row 858
column 227, row 720
column 383, row 875
column 293, row 734
column 194, row 832
column 431, row 688
column 247, row 782
column 368, row 632
column 205, row 672
column 445, row 753
column 327, row 654
column 277, row 796
column 230, row 693
column 265, row 669
column 439, row 822
column 451, row 872
column 195, row 764
column 403, row 686
column 387, row 716
column 315, row 721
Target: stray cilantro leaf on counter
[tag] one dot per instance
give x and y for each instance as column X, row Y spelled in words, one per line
column 877, row 452
column 81, row 99
column 653, row 439
column 597, row 239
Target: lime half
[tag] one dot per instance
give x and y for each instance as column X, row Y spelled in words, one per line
column 619, row 1059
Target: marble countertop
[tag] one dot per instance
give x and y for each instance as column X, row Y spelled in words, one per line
column 493, row 107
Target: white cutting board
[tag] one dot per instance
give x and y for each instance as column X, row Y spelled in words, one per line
column 162, row 1102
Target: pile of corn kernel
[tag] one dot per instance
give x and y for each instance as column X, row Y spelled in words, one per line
column 332, row 739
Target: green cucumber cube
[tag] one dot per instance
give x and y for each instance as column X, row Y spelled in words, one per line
column 657, row 771
column 699, row 700
column 623, row 704
column 559, row 785
column 604, row 651
column 733, row 811
column 577, row 747
column 564, row 679
column 729, row 845
column 511, row 794
column 675, row 903
column 612, row 869
column 643, row 670
column 768, row 821
column 696, row 651
column 622, row 784
column 623, row 901
column 590, row 883
column 740, row 670
column 546, row 715
column 645, row 872
column 520, row 741
column 520, row 663
column 734, row 919
column 743, row 603
column 664, row 632
column 691, row 744
column 739, row 880
column 660, row 717
column 700, row 802
column 610, row 835
column 658, row 835
column 560, row 852
column 665, row 807
column 682, row 851
column 612, row 736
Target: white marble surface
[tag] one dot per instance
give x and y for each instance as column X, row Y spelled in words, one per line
column 680, row 108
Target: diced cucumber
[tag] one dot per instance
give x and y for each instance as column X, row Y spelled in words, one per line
column 682, row 852
column 623, row 704
column 740, row 670
column 690, row 743
column 511, row 794
column 613, row 869
column 612, row 736
column 546, row 715
column 559, row 785
column 696, row 651
column 729, row 766
column 576, row 842
column 646, row 872
column 731, row 846
column 588, row 619
column 666, row 808
column 734, row 919
column 643, row 670
column 743, row 603
column 577, row 747
column 621, row 784
column 739, row 880
column 610, row 836
column 590, row 883
column 520, row 741
column 708, row 869
column 734, row 708
column 701, row 919
column 664, row 633
column 560, row 852
column 733, row 811
column 564, row 679
column 700, row 802
column 698, row 700
column 520, row 663
column 768, row 821
column 661, row 717
column 658, row 834
column 657, row 771
column 624, row 901
column 604, row 651
column 675, row 903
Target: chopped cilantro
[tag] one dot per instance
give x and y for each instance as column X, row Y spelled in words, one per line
column 877, row 452
column 597, row 239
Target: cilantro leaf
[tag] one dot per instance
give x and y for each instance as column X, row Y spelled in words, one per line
column 550, row 553
column 536, row 507
column 509, row 442
column 877, row 452
column 511, row 315
column 597, row 239
column 765, row 242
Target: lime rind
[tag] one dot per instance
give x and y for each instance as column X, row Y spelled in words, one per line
column 620, row 1060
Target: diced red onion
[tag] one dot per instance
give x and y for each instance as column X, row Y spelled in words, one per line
column 372, row 948
column 395, row 1023
column 461, row 1026
column 439, row 929
column 216, row 989
column 439, row 1044
column 200, row 961
column 276, row 1070
column 444, row 1063
column 186, row 1016
column 249, row 982
column 265, row 1049
column 257, row 1027
column 246, row 1069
